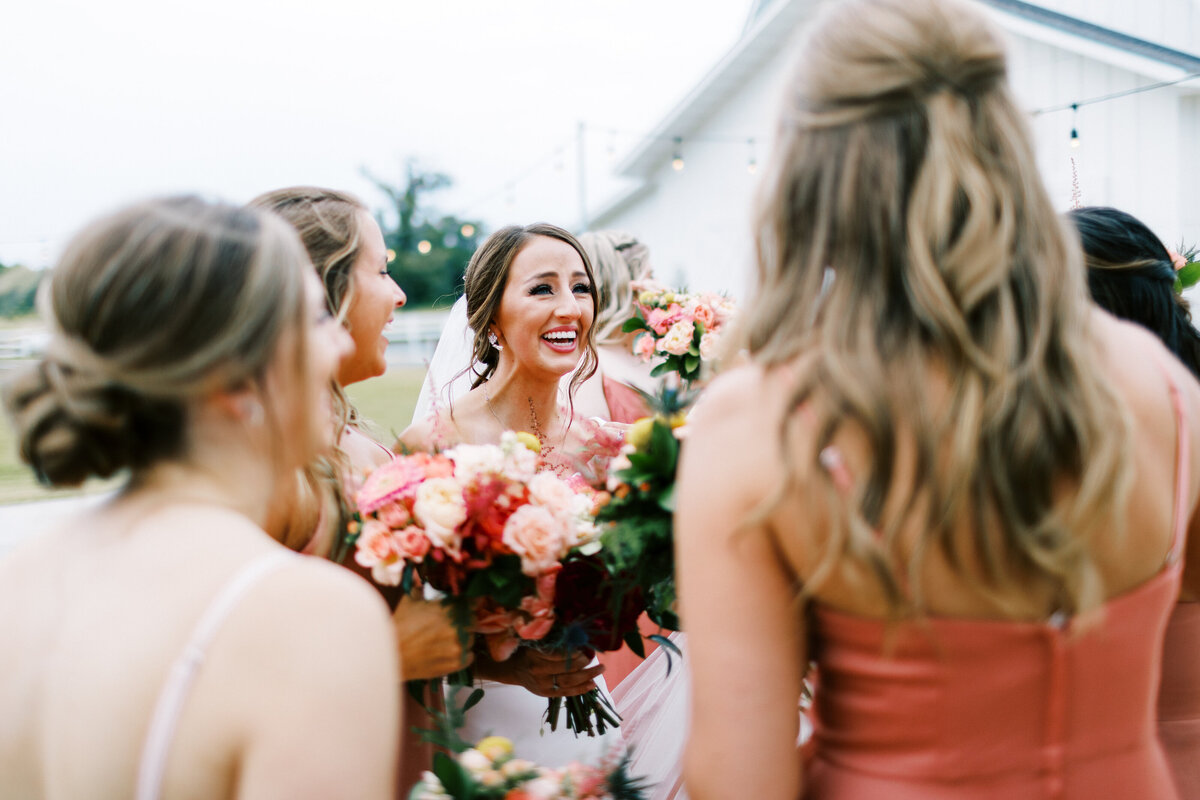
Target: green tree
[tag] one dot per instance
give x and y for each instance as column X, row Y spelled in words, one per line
column 431, row 249
column 18, row 290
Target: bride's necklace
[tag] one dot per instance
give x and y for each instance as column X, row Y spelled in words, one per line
column 547, row 448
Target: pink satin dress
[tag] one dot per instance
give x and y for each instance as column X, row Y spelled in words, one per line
column 999, row 710
column 1179, row 698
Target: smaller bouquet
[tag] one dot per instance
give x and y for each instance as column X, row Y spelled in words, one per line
column 639, row 541
column 513, row 548
column 490, row 771
column 679, row 330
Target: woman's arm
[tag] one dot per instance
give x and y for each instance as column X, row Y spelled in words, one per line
column 738, row 599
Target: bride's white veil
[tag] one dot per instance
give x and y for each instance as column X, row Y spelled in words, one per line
column 448, row 378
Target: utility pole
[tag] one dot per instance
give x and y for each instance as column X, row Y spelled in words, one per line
column 581, row 166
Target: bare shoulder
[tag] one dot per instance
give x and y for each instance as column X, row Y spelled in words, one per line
column 1137, row 364
column 311, row 608
column 364, row 452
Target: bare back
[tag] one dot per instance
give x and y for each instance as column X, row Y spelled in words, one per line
column 99, row 610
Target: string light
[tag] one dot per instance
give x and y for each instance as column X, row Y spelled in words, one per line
column 677, row 159
column 423, row 247
column 752, row 164
column 467, row 230
column 391, row 255
column 1074, row 126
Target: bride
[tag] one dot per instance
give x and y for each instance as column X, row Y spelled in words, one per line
column 531, row 303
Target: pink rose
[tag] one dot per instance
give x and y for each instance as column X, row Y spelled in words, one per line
column 534, row 534
column 547, row 490
column 412, row 543
column 1177, row 261
column 659, row 321
column 643, row 347
column 394, row 515
column 708, row 346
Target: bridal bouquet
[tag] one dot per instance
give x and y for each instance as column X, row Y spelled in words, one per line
column 490, row 771
column 513, row 548
column 679, row 330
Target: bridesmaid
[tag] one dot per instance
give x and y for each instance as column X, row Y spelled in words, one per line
column 1131, row 275
column 925, row 477
column 150, row 648
column 346, row 248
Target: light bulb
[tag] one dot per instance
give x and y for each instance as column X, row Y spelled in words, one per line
column 423, row 246
column 467, row 229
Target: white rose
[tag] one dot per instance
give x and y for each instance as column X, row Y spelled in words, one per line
column 708, row 346
column 475, row 762
column 472, row 460
column 440, row 509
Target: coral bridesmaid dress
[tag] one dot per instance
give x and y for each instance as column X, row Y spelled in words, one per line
column 991, row 709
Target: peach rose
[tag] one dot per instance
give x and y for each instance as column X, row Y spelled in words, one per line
column 643, row 347
column 704, row 314
column 541, row 620
column 708, row 346
column 534, row 534
column 678, row 338
column 376, row 549
column 440, row 509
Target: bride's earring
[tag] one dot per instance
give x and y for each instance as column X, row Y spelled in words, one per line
column 253, row 410
column 494, row 340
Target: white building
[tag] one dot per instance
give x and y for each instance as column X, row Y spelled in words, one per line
column 1138, row 152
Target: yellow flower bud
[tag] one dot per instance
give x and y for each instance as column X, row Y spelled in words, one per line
column 531, row 442
column 639, row 433
column 495, row 747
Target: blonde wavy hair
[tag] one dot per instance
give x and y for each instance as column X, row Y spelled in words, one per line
column 903, row 167
column 328, row 222
column 618, row 259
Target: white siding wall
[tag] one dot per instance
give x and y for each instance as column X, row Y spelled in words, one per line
column 697, row 221
column 1171, row 23
column 1137, row 153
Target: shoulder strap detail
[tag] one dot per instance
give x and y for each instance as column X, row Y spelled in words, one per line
column 183, row 672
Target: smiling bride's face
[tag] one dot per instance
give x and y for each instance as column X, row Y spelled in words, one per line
column 546, row 311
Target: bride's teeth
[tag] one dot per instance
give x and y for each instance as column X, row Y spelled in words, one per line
column 560, row 336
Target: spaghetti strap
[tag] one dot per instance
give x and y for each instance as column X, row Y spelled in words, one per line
column 183, row 672
column 1179, row 519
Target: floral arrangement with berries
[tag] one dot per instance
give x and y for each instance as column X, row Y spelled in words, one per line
column 678, row 330
column 512, row 546
column 1186, row 261
column 490, row 771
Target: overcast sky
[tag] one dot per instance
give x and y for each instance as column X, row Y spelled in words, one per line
column 105, row 102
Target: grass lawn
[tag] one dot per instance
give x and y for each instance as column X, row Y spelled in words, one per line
column 386, row 402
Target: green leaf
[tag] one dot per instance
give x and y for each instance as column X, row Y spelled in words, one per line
column 691, row 362
column 666, row 500
column 473, row 699
column 662, row 369
column 1188, row 276
column 635, row 324
column 453, row 776
column 634, row 640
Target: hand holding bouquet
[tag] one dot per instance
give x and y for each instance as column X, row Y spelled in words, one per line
column 513, row 548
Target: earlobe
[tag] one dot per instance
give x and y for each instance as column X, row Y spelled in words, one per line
column 241, row 405
column 494, row 340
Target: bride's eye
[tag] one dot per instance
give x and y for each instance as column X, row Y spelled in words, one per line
column 582, row 288
column 541, row 288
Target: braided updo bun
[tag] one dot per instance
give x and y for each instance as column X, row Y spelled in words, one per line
column 150, row 307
